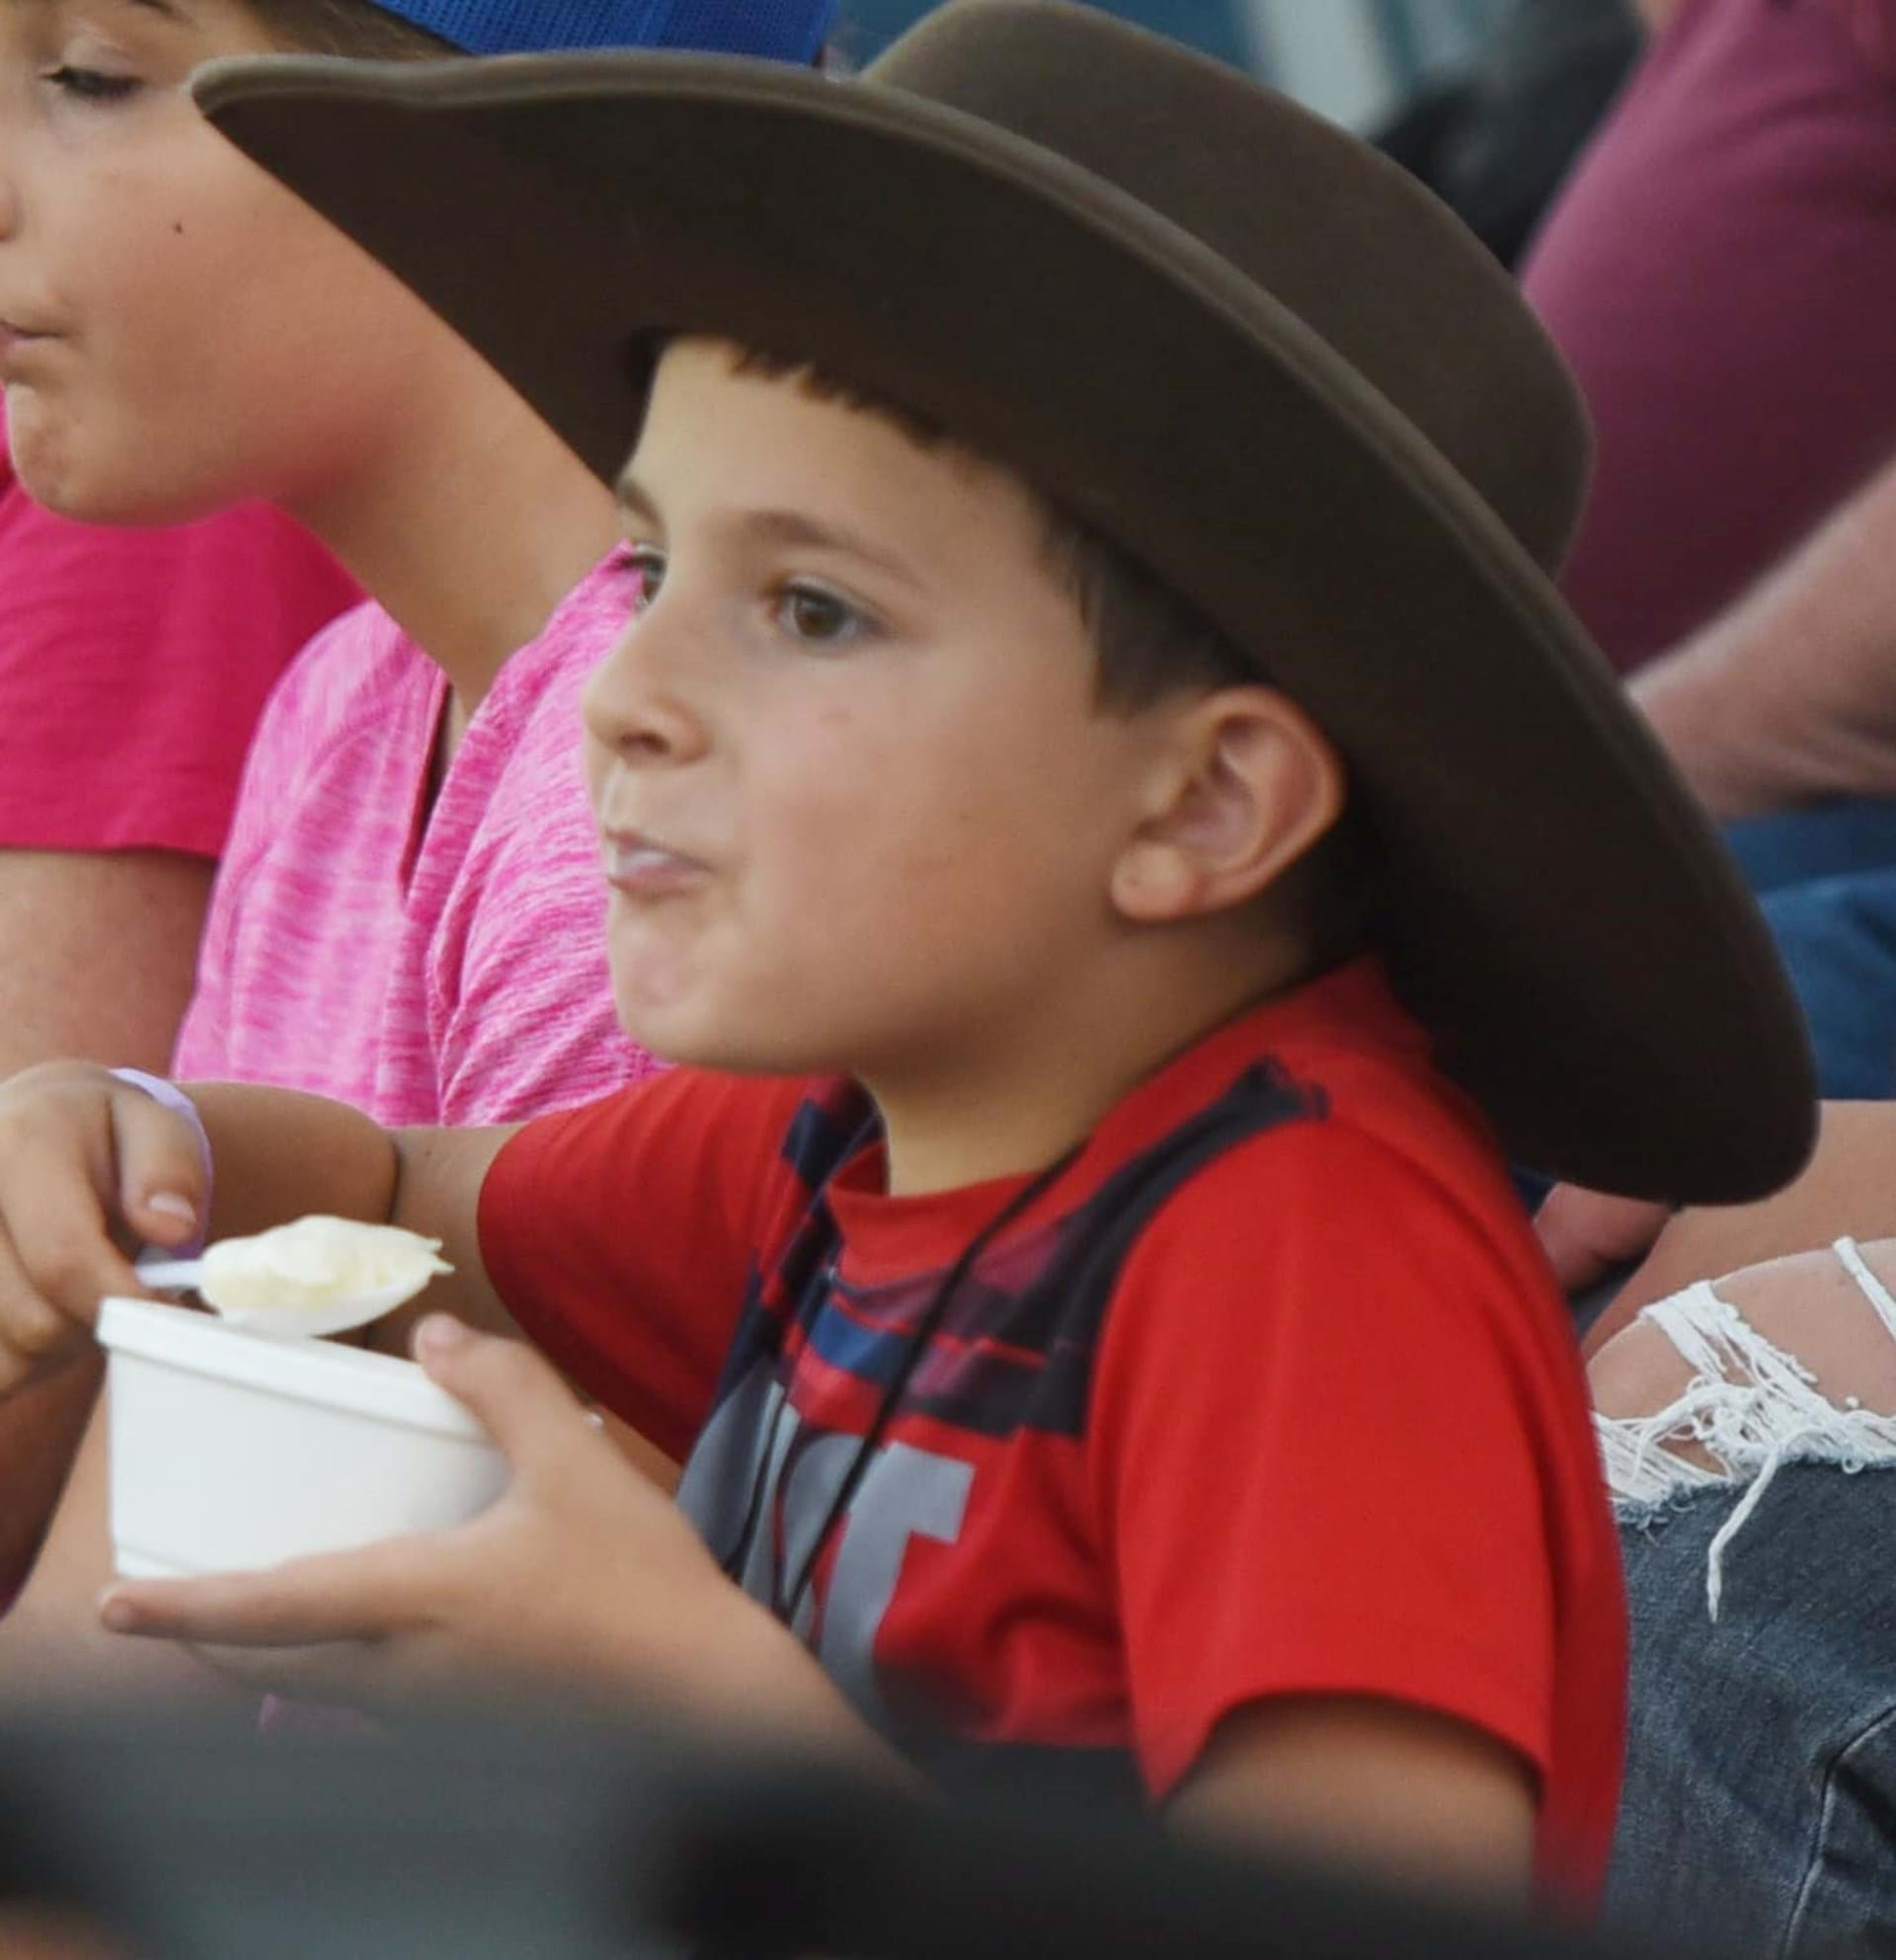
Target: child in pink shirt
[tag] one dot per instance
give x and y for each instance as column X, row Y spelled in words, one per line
column 371, row 948
column 133, row 664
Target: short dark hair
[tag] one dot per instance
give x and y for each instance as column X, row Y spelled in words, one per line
column 1149, row 642
column 356, row 29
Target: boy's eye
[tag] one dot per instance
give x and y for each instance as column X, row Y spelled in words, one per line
column 90, row 83
column 647, row 565
column 813, row 613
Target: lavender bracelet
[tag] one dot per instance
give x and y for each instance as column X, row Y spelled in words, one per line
column 174, row 1098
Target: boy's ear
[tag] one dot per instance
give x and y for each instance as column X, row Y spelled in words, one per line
column 1242, row 783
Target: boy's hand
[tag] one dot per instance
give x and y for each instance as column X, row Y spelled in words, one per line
column 583, row 1574
column 89, row 1167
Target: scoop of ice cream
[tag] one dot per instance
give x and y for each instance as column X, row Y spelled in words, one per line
column 316, row 1260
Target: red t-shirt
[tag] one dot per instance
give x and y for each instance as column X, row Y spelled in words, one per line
column 1720, row 273
column 133, row 665
column 1269, row 1392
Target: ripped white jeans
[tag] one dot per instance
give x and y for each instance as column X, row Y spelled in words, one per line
column 1749, row 1407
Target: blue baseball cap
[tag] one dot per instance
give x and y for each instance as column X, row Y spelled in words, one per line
column 772, row 30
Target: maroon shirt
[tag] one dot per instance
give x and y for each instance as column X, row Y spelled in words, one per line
column 1720, row 272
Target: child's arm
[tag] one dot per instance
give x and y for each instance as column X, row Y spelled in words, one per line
column 278, row 1155
column 1354, row 1646
column 584, row 1575
column 1412, row 1795
column 90, row 1166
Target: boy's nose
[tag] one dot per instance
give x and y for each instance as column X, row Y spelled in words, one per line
column 632, row 704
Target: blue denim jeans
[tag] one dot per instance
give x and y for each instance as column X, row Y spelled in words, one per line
column 1759, row 1813
column 1825, row 877
column 1760, row 1805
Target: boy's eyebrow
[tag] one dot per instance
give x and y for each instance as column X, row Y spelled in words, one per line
column 793, row 527
column 778, row 527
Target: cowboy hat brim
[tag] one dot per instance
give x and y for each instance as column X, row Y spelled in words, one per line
column 1559, row 911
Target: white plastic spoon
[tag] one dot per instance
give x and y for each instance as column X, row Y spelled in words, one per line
column 297, row 1282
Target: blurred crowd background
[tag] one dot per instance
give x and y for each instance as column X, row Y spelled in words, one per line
column 1353, row 59
column 1486, row 101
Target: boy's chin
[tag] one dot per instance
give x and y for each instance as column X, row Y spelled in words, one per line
column 697, row 1040
column 682, row 1039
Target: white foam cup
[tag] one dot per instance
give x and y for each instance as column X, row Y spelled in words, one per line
column 233, row 1452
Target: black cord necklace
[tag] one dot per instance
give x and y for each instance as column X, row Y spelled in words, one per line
column 926, row 1327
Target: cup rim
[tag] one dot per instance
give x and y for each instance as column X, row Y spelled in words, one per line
column 380, row 1386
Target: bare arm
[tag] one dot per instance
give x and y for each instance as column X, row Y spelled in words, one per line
column 1401, row 1792
column 89, row 1165
column 279, row 1155
column 39, row 1432
column 51, row 1646
column 1791, row 695
column 64, row 1178
column 97, row 952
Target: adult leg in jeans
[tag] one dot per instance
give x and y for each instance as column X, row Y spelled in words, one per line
column 1833, row 839
column 1760, row 1803
column 1748, row 1429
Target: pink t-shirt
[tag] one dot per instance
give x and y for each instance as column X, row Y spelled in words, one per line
column 133, row 664
column 452, row 972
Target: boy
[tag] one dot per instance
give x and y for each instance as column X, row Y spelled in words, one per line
column 1126, row 1345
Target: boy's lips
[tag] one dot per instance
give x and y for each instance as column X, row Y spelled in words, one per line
column 15, row 339
column 643, row 868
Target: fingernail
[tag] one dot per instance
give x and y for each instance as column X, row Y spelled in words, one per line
column 169, row 1204
column 439, row 1331
column 116, row 1614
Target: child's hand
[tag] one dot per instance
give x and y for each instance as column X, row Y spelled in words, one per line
column 584, row 1574
column 89, row 1165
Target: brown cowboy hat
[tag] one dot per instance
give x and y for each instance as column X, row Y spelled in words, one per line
column 1234, row 340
